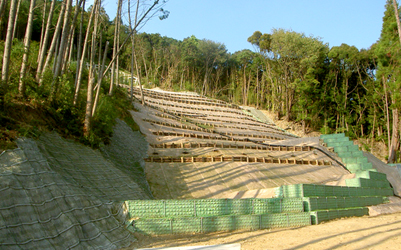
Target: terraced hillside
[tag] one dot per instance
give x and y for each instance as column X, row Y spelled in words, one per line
column 205, row 148
column 214, row 166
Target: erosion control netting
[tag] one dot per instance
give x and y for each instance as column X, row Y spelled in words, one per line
column 127, row 151
column 57, row 194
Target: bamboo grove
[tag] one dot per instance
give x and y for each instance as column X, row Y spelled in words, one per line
column 299, row 77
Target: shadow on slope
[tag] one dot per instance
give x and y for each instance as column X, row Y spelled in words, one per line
column 58, row 194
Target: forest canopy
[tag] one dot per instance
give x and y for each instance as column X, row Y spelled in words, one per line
column 54, row 50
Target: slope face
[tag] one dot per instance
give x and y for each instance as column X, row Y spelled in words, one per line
column 205, row 148
column 57, row 194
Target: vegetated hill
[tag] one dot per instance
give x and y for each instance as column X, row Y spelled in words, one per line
column 31, row 116
column 61, row 181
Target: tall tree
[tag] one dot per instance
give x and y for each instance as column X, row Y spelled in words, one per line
column 133, row 53
column 79, row 45
column 63, row 44
column 388, row 52
column 116, row 46
column 44, row 42
column 16, row 18
column 8, row 43
column 82, row 61
column 27, row 44
column 212, row 53
column 55, row 41
column 92, row 77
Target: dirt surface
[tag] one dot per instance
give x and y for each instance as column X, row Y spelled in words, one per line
column 218, row 179
column 211, row 180
column 290, row 126
column 381, row 232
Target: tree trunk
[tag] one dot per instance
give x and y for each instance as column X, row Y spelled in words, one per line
column 2, row 9
column 133, row 54
column 82, row 61
column 144, row 64
column 42, row 33
column 394, row 138
column 16, row 18
column 257, row 87
column 54, row 41
column 131, row 33
column 27, row 44
column 373, row 129
column 79, row 49
column 42, row 52
column 67, row 55
column 397, row 18
column 68, row 52
column 91, row 80
column 99, row 81
column 247, row 88
column 63, row 45
column 387, row 112
column 115, row 47
column 8, row 42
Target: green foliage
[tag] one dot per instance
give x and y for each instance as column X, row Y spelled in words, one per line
column 188, row 86
column 338, row 89
column 109, row 109
column 325, row 130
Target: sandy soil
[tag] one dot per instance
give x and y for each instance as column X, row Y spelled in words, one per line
column 381, row 232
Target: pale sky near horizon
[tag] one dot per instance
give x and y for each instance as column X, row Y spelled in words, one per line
column 231, row 22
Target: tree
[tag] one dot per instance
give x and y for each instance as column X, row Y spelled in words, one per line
column 63, row 44
column 133, row 54
column 27, row 43
column 344, row 60
column 294, row 55
column 82, row 61
column 55, row 40
column 8, row 43
column 44, row 43
column 91, row 80
column 115, row 47
column 244, row 60
column 388, row 53
column 211, row 53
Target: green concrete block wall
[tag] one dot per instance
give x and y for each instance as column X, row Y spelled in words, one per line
column 312, row 190
column 325, row 215
column 218, row 223
column 211, row 207
column 350, row 154
column 371, row 175
column 327, row 203
column 362, row 182
column 330, row 136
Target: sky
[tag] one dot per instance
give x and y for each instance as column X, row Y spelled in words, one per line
column 231, row 22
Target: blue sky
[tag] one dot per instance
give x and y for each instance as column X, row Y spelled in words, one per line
column 231, row 22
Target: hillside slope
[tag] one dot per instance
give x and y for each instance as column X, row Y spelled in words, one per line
column 58, row 194
column 206, row 148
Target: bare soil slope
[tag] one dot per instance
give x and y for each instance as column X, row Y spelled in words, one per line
column 205, row 148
